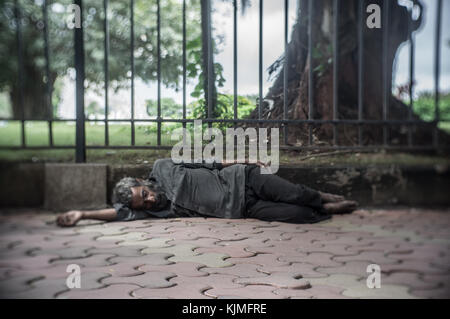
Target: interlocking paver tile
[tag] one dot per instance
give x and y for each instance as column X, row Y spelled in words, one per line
column 316, row 291
column 277, row 279
column 151, row 242
column 131, row 236
column 63, row 252
column 408, row 279
column 176, row 250
column 187, row 269
column 411, row 246
column 438, row 293
column 319, row 259
column 153, row 279
column 195, row 291
column 104, row 229
column 419, row 266
column 260, row 259
column 335, row 249
column 208, row 259
column 120, row 291
column 16, row 284
column 240, row 270
column 90, row 261
column 306, row 270
column 248, row 292
column 372, row 257
column 355, row 268
column 385, row 292
column 148, row 259
column 212, row 280
column 29, row 262
column 121, row 269
column 130, row 251
column 231, row 250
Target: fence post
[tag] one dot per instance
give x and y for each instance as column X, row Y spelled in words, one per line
column 80, row 147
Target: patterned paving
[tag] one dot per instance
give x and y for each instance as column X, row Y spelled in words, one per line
column 218, row 258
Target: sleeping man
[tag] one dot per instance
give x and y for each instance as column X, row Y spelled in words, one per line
column 214, row 190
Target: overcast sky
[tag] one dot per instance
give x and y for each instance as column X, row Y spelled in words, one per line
column 273, row 46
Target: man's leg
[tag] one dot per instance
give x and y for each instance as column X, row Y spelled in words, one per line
column 282, row 212
column 269, row 187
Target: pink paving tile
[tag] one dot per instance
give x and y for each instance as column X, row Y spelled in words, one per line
column 148, row 259
column 186, row 269
column 306, row 270
column 153, row 279
column 239, row 270
column 237, row 251
column 357, row 268
column 195, row 291
column 372, row 257
column 260, row 259
column 317, row 259
column 315, row 292
column 120, row 291
column 91, row 261
column 278, row 280
column 248, row 292
column 409, row 279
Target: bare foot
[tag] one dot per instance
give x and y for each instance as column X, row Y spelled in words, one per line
column 331, row 198
column 346, row 206
column 69, row 219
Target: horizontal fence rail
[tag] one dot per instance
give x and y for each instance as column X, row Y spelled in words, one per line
column 284, row 122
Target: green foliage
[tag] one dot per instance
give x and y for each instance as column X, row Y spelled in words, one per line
column 62, row 48
column 169, row 108
column 225, row 109
column 425, row 108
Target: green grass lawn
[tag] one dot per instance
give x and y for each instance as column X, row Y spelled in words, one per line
column 146, row 134
column 37, row 134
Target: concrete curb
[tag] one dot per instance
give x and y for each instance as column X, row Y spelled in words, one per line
column 30, row 185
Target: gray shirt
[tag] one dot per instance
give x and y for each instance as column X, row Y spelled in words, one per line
column 195, row 190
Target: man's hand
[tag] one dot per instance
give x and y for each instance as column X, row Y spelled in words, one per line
column 70, row 218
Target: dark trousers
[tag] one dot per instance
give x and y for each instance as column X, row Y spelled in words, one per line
column 272, row 198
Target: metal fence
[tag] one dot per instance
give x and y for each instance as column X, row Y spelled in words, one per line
column 80, row 144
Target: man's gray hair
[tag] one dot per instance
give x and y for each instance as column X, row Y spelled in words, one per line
column 122, row 191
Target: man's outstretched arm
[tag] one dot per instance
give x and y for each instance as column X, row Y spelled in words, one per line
column 74, row 216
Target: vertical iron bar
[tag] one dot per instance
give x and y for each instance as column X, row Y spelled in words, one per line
column 360, row 68
column 211, row 80
column 286, row 66
column 437, row 66
column 411, row 76
column 235, row 59
column 18, row 16
column 106, row 68
column 310, row 71
column 184, row 62
column 335, row 67
column 159, row 70
column 80, row 151
column 261, row 4
column 133, row 138
column 47, row 71
column 386, row 89
column 184, row 70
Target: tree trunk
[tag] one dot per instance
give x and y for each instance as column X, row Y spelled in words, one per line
column 206, row 67
column 33, row 100
column 299, row 64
